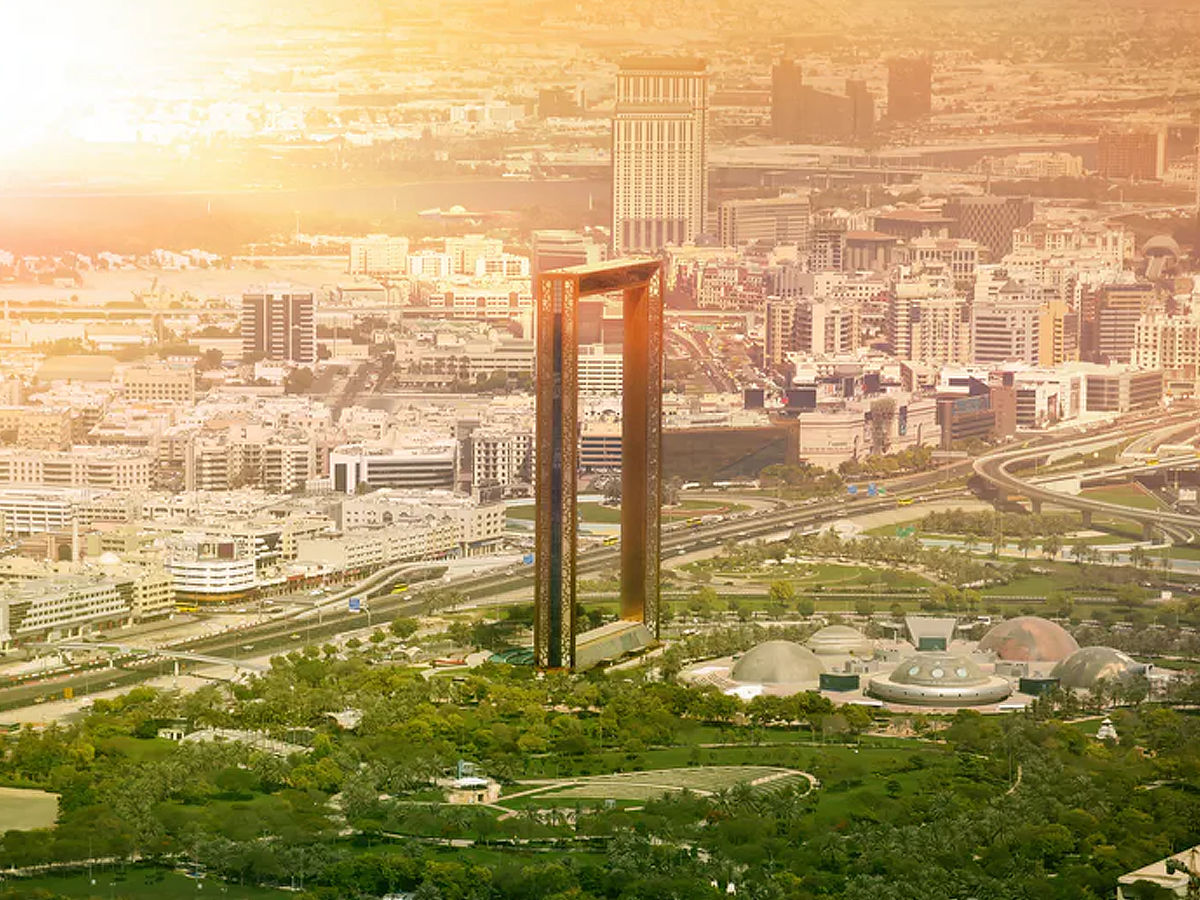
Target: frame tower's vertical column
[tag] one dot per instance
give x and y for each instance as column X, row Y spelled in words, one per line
column 641, row 449
column 557, row 451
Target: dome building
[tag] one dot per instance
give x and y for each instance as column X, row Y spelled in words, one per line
column 1085, row 667
column 841, row 640
column 778, row 663
column 939, row 679
column 1029, row 639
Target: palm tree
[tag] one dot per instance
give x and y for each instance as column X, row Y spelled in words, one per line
column 1025, row 544
column 1081, row 550
column 1051, row 546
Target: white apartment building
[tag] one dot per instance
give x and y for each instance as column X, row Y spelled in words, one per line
column 59, row 606
column 471, row 300
column 169, row 382
column 123, row 468
column 931, row 330
column 599, row 372
column 502, row 457
column 959, row 256
column 660, row 153
column 404, row 540
column 479, row 525
column 1170, row 343
column 25, row 511
column 378, row 254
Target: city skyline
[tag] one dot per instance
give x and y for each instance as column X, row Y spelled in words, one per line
column 541, row 450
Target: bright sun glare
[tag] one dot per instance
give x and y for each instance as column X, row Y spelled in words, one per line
column 65, row 65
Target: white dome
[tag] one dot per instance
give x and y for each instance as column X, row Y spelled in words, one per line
column 840, row 640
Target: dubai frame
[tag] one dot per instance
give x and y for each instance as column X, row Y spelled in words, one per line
column 557, row 449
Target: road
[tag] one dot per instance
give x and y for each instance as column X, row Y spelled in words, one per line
column 996, row 469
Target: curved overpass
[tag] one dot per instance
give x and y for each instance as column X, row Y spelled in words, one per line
column 995, row 467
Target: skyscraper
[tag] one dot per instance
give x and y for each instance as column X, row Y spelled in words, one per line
column 660, row 153
column 910, row 88
column 278, row 323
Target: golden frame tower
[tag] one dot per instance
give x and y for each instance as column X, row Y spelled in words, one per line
column 557, row 440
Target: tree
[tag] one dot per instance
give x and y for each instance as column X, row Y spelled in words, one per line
column 781, row 593
column 1051, row 546
column 403, row 627
column 298, row 381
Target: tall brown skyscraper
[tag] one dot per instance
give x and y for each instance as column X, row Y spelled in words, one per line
column 910, row 88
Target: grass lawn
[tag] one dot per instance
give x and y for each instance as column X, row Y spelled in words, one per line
column 1131, row 494
column 138, row 883
column 25, row 810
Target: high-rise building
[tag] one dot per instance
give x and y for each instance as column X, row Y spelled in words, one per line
column 800, row 112
column 660, row 153
column 1140, row 154
column 787, row 85
column 772, row 220
column 1058, row 334
column 378, row 254
column 1006, row 329
column 931, row 329
column 910, row 88
column 989, row 220
column 1109, row 319
column 780, row 327
column 1170, row 343
column 278, row 323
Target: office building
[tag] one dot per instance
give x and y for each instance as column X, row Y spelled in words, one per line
column 800, row 112
column 660, row 153
column 279, row 324
column 431, row 464
column 1058, row 334
column 169, row 382
column 1006, row 329
column 1121, row 389
column 1136, row 154
column 378, row 254
column 771, row 221
column 989, row 220
column 910, row 88
column 1109, row 319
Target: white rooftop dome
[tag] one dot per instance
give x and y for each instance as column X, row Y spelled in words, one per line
column 778, row 662
column 840, row 640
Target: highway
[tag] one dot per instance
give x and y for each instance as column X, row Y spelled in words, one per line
column 996, row 469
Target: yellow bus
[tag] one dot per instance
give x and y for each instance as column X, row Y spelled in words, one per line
column 692, row 522
column 904, row 501
column 399, row 588
column 612, row 541
column 187, row 609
